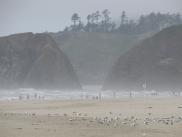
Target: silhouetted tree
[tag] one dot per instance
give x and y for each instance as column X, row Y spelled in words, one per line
column 88, row 26
column 106, row 19
column 123, row 18
column 75, row 18
column 97, row 16
column 147, row 23
column 88, row 19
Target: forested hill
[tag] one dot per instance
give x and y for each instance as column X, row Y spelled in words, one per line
column 155, row 62
column 93, row 47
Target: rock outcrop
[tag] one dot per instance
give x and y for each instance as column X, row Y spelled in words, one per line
column 154, row 64
column 30, row 60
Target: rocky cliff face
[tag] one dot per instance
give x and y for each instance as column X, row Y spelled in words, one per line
column 156, row 62
column 34, row 61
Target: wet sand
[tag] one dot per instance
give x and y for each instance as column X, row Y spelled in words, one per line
column 147, row 117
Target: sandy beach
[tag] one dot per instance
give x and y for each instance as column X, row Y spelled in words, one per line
column 137, row 117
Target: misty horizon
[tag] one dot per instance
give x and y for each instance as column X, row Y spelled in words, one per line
column 53, row 16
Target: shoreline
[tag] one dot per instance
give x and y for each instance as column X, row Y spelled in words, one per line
column 136, row 117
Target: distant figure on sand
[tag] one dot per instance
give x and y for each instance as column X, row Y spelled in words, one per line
column 28, row 96
column 130, row 94
column 114, row 94
column 20, row 97
column 176, row 93
column 35, row 96
column 100, row 96
column 154, row 94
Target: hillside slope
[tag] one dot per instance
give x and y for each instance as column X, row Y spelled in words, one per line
column 34, row 61
column 157, row 61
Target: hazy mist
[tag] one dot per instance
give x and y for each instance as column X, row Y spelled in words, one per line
column 53, row 15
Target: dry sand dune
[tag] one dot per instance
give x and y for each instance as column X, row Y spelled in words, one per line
column 149, row 117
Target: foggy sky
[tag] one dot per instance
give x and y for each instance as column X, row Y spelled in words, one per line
column 53, row 15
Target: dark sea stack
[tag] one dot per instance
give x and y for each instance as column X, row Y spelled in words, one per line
column 155, row 62
column 30, row 60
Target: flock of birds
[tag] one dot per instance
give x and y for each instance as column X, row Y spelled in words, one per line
column 119, row 120
column 113, row 120
column 110, row 121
